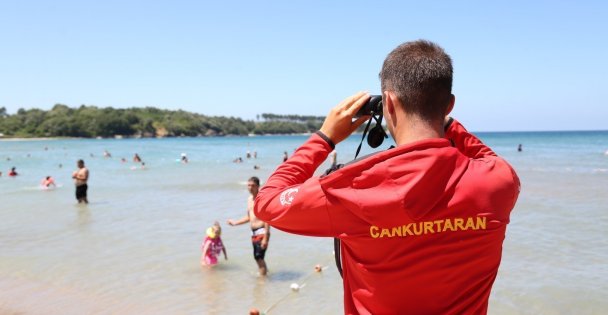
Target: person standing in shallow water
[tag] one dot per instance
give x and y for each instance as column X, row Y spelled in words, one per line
column 260, row 230
column 81, row 177
column 212, row 246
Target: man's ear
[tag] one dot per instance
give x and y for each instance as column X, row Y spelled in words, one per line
column 389, row 99
column 389, row 109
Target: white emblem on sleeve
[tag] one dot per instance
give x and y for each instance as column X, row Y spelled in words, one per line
column 288, row 195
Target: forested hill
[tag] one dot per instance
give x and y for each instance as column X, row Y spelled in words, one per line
column 92, row 121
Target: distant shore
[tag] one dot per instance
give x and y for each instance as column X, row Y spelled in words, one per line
column 149, row 122
column 34, row 139
column 5, row 138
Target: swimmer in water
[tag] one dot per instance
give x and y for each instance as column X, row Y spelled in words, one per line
column 47, row 182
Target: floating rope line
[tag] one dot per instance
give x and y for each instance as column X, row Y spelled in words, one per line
column 295, row 287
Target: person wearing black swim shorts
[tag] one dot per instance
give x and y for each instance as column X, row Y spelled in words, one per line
column 81, row 176
column 260, row 230
column 257, row 236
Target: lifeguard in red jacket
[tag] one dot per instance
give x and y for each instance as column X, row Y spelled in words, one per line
column 422, row 224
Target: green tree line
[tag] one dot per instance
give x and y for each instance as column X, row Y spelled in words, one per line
column 92, row 121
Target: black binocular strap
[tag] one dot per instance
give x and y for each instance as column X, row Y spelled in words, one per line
column 337, row 252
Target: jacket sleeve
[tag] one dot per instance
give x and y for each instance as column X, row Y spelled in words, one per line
column 466, row 142
column 502, row 182
column 292, row 200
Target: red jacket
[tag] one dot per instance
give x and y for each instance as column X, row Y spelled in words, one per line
column 421, row 225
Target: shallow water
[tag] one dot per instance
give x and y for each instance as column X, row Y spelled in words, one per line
column 135, row 248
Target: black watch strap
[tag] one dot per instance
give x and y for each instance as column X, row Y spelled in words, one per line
column 326, row 138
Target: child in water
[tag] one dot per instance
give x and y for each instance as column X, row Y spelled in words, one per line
column 212, row 246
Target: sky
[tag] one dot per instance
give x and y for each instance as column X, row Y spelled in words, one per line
column 518, row 65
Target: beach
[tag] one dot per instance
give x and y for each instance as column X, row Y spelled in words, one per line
column 135, row 248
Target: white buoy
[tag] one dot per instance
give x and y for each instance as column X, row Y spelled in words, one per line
column 295, row 287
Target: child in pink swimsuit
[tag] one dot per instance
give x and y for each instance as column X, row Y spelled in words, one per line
column 212, row 246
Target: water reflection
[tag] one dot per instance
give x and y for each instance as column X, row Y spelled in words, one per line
column 285, row 275
column 213, row 289
column 83, row 218
column 260, row 293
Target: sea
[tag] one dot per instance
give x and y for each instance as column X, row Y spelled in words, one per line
column 135, row 248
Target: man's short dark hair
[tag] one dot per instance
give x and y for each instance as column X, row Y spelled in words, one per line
column 255, row 180
column 420, row 74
